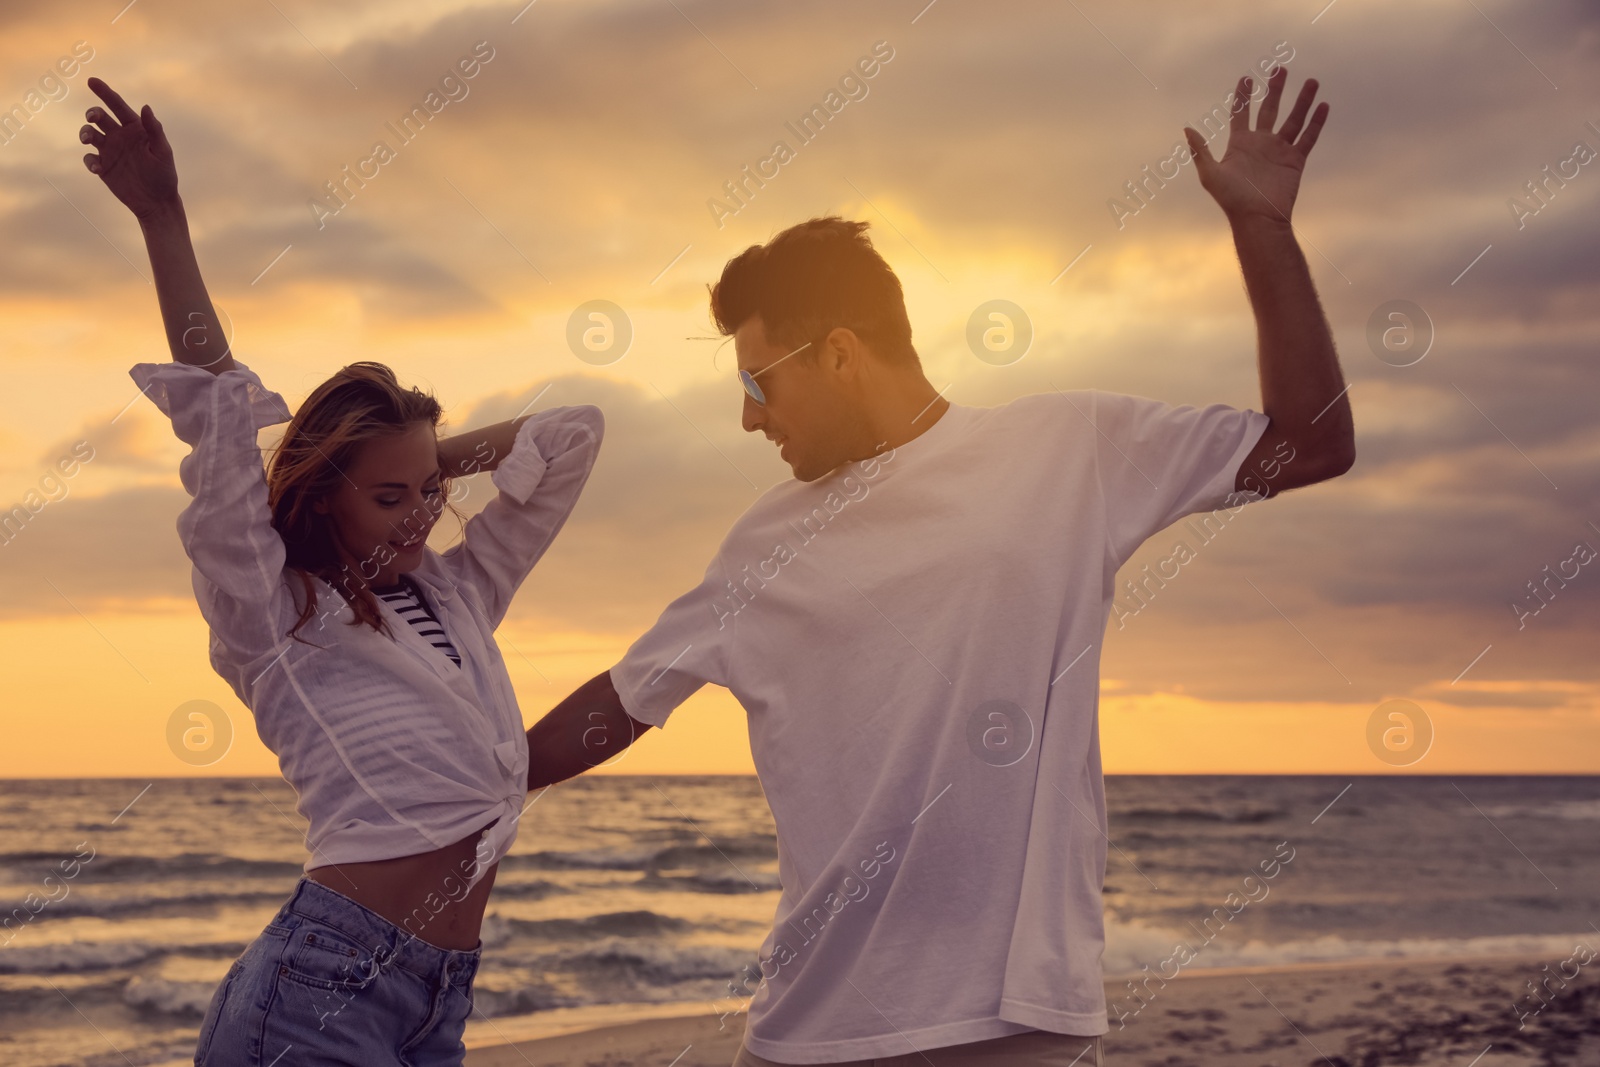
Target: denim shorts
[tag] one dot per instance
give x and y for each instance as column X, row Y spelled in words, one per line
column 329, row 982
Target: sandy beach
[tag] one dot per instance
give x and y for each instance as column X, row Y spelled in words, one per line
column 1429, row 1013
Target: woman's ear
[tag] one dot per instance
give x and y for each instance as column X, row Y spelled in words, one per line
column 320, row 505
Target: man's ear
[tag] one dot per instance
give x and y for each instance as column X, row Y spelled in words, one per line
column 845, row 355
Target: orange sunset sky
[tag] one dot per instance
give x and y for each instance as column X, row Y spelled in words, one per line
column 588, row 157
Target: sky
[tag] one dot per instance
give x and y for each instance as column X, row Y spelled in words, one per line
column 587, row 158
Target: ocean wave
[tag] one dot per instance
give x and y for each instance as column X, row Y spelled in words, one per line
column 1130, row 946
column 725, row 879
column 661, row 963
column 536, row 889
column 617, row 923
column 188, row 865
column 697, row 855
column 107, row 866
column 1568, row 810
column 163, row 997
column 18, row 859
column 34, row 1000
column 523, row 1000
column 79, row 956
column 647, row 858
column 495, row 930
column 595, row 859
column 137, row 904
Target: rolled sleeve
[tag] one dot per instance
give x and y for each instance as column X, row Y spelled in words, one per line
column 226, row 529
column 539, row 482
column 689, row 646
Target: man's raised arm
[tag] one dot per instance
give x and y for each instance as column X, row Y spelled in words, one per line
column 1302, row 390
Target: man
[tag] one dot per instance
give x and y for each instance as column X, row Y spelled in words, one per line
column 906, row 624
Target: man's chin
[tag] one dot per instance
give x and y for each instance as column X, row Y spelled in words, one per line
column 807, row 474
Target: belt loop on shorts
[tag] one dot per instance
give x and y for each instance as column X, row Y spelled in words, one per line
column 459, row 970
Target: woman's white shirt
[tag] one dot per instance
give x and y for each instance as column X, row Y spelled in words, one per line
column 392, row 749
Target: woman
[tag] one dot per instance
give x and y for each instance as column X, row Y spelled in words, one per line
column 367, row 659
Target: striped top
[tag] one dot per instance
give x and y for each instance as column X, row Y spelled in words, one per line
column 407, row 600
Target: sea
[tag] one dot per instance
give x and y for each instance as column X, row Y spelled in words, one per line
column 628, row 897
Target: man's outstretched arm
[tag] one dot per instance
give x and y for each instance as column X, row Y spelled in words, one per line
column 583, row 731
column 1311, row 436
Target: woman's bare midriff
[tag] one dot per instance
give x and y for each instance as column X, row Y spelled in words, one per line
column 421, row 894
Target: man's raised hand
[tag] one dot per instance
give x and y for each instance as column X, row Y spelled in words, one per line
column 1259, row 173
column 134, row 158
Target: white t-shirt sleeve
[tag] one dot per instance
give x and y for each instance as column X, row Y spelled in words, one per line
column 689, row 645
column 1159, row 462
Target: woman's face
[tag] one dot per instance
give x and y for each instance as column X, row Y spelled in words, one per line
column 386, row 504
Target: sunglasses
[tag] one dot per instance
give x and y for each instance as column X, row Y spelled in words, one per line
column 749, row 379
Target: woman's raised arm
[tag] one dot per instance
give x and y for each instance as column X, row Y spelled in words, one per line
column 135, row 161
column 539, row 478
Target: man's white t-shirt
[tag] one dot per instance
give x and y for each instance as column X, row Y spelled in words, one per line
column 916, row 641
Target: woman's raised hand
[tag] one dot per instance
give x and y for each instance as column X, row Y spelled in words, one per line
column 134, row 158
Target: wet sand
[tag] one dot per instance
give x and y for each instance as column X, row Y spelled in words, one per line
column 1428, row 1013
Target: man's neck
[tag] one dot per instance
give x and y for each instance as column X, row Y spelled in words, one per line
column 907, row 416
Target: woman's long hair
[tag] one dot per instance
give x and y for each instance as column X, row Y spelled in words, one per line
column 363, row 402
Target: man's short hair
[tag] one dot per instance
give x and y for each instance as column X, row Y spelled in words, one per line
column 810, row 278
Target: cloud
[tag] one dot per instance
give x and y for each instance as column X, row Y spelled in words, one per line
column 583, row 156
column 96, row 553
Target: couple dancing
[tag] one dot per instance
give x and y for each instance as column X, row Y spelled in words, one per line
column 919, row 668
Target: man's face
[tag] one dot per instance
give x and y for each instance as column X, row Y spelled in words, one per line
column 806, row 413
column 387, row 503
